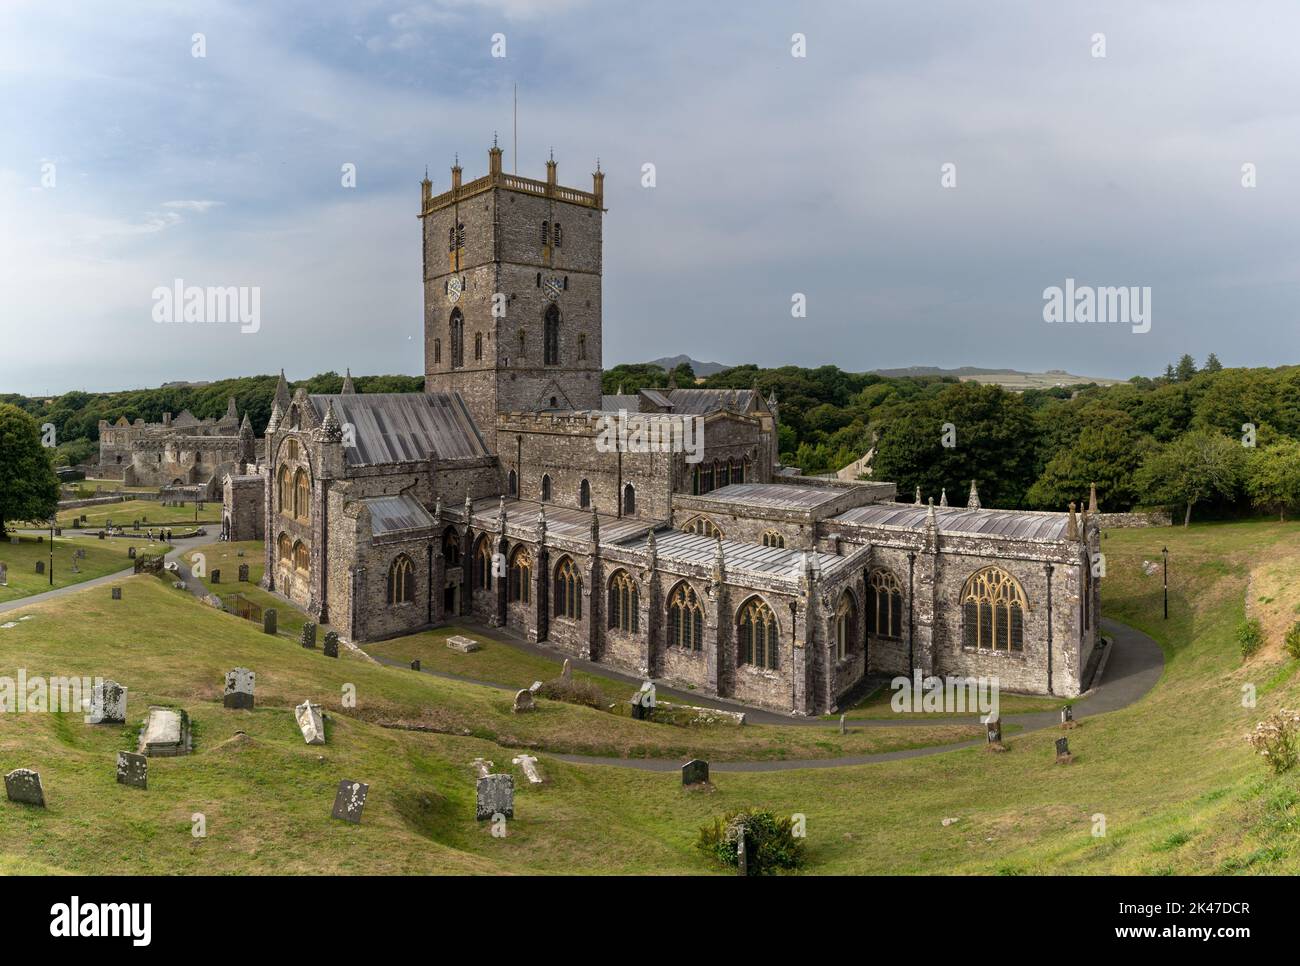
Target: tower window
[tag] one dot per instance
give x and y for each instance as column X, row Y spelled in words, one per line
column 546, row 233
column 552, row 339
column 566, row 283
column 584, row 494
column 460, row 235
column 457, row 339
column 546, row 488
column 478, row 346
column 513, row 484
column 539, row 279
column 559, row 238
column 582, row 345
column 451, row 239
column 437, row 350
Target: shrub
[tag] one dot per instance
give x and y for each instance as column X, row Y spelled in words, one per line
column 1250, row 636
column 1275, row 739
column 575, row 692
column 770, row 842
column 1292, row 644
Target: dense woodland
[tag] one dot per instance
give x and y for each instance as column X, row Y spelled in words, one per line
column 1182, row 440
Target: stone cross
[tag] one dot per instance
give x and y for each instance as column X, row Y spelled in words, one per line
column 695, row 772
column 496, row 796
column 331, row 646
column 108, row 703
column 529, row 764
column 132, row 769
column 482, row 767
column 310, row 723
column 524, row 700
column 350, row 800
column 24, row 785
column 239, row 688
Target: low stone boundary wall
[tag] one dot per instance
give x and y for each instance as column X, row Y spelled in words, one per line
column 1152, row 518
column 89, row 501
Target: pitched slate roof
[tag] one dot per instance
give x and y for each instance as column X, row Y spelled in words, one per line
column 694, row 548
column 392, row 514
column 393, row 427
column 1012, row 524
column 780, row 496
column 613, row 404
column 561, row 521
column 701, row 402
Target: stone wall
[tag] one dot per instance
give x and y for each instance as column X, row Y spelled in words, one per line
column 1147, row 518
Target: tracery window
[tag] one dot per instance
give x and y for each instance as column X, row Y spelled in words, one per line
column 623, row 603
column 758, row 634
column 993, row 611
column 884, row 605
column 401, row 580
column 568, row 590
column 685, row 619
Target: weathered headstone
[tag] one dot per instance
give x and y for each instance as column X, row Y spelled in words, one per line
column 1067, row 716
column 101, row 534
column 4, row 575
column 239, row 688
column 216, row 576
column 40, row 566
column 535, row 687
column 268, row 621
column 415, row 665
column 24, row 785
column 643, row 702
column 695, row 772
column 1063, row 755
column 482, row 767
column 331, row 645
column 524, row 700
column 566, row 672
column 350, row 800
column 994, row 726
column 243, row 573
column 132, row 769
column 117, row 593
column 310, row 723
column 462, row 644
column 496, row 796
column 130, row 553
column 308, row 636
column 166, row 733
column 529, row 764
column 108, row 703
column 843, row 726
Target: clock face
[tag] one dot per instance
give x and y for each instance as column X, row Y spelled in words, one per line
column 454, row 288
column 552, row 287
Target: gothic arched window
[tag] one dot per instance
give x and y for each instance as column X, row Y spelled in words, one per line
column 512, row 483
column 584, row 494
column 884, row 605
column 546, row 487
column 483, row 564
column 457, row 338
column 993, row 611
column 283, row 490
column 685, row 618
column 301, row 557
column 629, row 500
column 773, row 538
column 478, row 346
column 568, row 590
column 451, row 547
column 623, row 603
column 551, row 350
column 285, row 546
column 704, row 527
column 401, row 580
column 557, row 235
column 758, row 634
column 846, row 625
column 301, row 495
column 437, row 351
column 521, row 576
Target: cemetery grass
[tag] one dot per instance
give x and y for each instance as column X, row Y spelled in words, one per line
column 876, row 706
column 1180, row 789
column 102, row 557
column 225, row 557
column 125, row 513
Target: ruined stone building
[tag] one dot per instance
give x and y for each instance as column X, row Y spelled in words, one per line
column 657, row 532
column 181, row 450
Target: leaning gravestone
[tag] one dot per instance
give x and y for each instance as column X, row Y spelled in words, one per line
column 496, row 796
column 117, row 593
column 24, row 785
column 268, row 621
column 331, row 645
column 350, row 800
column 132, row 769
column 524, row 701
column 166, row 733
column 243, row 573
column 108, row 703
column 308, row 638
column 310, row 723
column 695, row 772
column 239, row 688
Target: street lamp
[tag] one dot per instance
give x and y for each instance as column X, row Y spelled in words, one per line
column 1165, row 552
column 52, row 518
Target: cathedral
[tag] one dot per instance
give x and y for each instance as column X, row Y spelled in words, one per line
column 656, row 533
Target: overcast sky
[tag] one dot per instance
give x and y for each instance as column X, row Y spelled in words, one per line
column 126, row 162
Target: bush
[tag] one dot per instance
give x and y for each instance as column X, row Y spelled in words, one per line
column 1250, row 636
column 770, row 843
column 1275, row 739
column 574, row 692
column 1292, row 644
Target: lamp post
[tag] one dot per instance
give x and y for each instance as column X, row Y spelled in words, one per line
column 1165, row 552
column 52, row 551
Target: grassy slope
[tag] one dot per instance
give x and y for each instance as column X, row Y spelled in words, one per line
column 102, row 557
column 1177, row 784
column 124, row 514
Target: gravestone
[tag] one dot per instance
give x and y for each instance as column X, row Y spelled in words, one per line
column 117, row 593
column 216, row 576
column 843, row 726
column 13, row 539
column 101, row 534
column 524, row 701
column 135, row 524
column 308, row 636
column 1063, row 755
column 482, row 767
column 108, row 703
column 75, row 568
column 239, row 688
column 994, row 726
column 1067, row 716
column 566, row 672
column 310, row 723
column 529, row 764
column 643, row 702
column 462, row 644
column 496, row 796
column 4, row 575
column 331, row 646
column 58, row 531
column 132, row 769
column 268, row 621
column 695, row 772
column 742, row 854
column 415, row 665
column 243, row 573
column 40, row 566
column 130, row 553
column 24, row 785
column 166, row 733
column 350, row 800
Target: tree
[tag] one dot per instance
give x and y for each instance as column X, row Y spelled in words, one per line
column 1196, row 466
column 1108, row 452
column 1212, row 363
column 1273, row 476
column 29, row 490
column 1186, row 368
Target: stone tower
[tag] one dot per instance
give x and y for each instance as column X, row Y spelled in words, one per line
column 512, row 292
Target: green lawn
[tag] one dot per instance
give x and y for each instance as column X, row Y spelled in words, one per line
column 877, row 706
column 1177, row 784
column 224, row 557
column 102, row 557
column 148, row 512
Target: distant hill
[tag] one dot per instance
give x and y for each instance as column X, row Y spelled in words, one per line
column 1007, row 378
column 699, row 368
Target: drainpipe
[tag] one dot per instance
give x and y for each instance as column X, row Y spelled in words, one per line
column 911, row 613
column 1048, row 569
column 324, row 616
